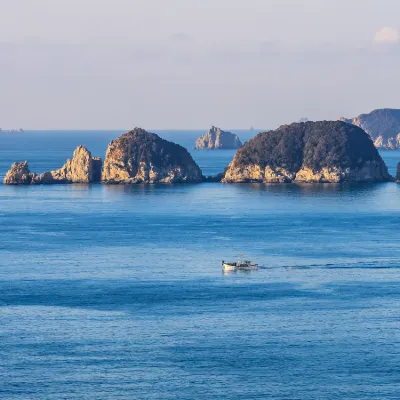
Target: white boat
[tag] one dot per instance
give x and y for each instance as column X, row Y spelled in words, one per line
column 240, row 264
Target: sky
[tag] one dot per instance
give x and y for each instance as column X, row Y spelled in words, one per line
column 190, row 64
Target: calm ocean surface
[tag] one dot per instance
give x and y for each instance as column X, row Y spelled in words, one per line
column 116, row 292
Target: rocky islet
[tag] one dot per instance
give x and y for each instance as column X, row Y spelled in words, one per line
column 217, row 139
column 82, row 168
column 139, row 156
column 326, row 152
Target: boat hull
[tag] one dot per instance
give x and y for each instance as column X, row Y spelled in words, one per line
column 234, row 267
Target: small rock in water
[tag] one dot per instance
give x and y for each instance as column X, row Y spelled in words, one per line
column 20, row 174
column 216, row 138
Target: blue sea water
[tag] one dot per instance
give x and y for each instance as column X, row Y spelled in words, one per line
column 116, row 292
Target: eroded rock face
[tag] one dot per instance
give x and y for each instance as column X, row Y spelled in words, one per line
column 382, row 125
column 19, row 174
column 309, row 152
column 143, row 157
column 83, row 168
column 215, row 138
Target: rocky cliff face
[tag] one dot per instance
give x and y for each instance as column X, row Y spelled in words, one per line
column 398, row 173
column 143, row 157
column 215, row 138
column 19, row 174
column 309, row 152
column 83, row 168
column 382, row 125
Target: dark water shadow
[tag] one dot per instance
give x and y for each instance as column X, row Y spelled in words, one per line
column 314, row 189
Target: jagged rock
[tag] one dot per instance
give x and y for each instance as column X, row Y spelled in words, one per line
column 215, row 138
column 309, row 152
column 382, row 125
column 143, row 157
column 19, row 174
column 83, row 168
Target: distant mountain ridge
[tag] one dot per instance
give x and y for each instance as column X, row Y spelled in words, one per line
column 382, row 125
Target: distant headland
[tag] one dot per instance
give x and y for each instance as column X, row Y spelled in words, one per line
column 324, row 152
column 382, row 125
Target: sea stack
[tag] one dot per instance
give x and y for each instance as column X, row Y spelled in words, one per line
column 139, row 156
column 83, row 168
column 216, row 138
column 382, row 125
column 327, row 151
column 19, row 174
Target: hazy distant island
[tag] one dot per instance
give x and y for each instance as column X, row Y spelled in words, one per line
column 216, row 138
column 382, row 125
column 325, row 151
column 20, row 130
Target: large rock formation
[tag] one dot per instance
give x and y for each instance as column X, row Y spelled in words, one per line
column 19, row 174
column 143, row 157
column 309, row 152
column 215, row 138
column 398, row 173
column 382, row 125
column 83, row 168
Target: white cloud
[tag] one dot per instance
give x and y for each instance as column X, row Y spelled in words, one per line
column 387, row 35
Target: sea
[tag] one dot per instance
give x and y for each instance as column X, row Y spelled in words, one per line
column 117, row 292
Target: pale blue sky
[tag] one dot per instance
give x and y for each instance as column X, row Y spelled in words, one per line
column 105, row 64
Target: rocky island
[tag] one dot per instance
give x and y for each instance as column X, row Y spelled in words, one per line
column 20, row 174
column 382, row 125
column 216, row 138
column 82, row 168
column 139, row 156
column 326, row 151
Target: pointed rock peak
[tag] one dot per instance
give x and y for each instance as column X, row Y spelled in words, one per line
column 83, row 168
column 139, row 131
column 20, row 174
